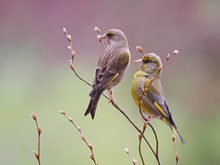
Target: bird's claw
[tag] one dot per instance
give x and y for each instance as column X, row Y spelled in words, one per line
column 111, row 99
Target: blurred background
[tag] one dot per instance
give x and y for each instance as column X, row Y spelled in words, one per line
column 35, row 76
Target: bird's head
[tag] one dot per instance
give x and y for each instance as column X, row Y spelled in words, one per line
column 114, row 36
column 149, row 63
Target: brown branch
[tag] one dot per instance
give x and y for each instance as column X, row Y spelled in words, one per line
column 89, row 145
column 139, row 145
column 39, row 131
column 156, row 139
column 132, row 123
column 155, row 134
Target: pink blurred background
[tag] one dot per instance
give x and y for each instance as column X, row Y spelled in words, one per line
column 35, row 74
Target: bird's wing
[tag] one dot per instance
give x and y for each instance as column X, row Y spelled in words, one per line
column 155, row 95
column 103, row 76
column 109, row 67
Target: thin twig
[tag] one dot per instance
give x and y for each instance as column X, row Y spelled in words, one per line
column 155, row 134
column 89, row 145
column 134, row 161
column 99, row 36
column 177, row 158
column 140, row 139
column 70, row 47
column 175, row 148
column 132, row 123
column 156, row 139
column 39, row 131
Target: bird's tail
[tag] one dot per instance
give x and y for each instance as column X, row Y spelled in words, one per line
column 170, row 122
column 93, row 105
column 174, row 129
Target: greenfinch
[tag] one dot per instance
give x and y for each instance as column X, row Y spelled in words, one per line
column 111, row 67
column 153, row 101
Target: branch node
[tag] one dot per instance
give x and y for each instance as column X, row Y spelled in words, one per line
column 97, row 30
column 68, row 37
column 91, row 156
column 36, row 154
column 82, row 137
column 71, row 65
column 126, row 150
column 134, row 161
column 64, row 31
column 70, row 119
column 99, row 38
column 177, row 157
column 34, row 116
column 62, row 112
column 176, row 52
column 138, row 48
column 69, row 47
column 90, row 146
column 173, row 137
column 39, row 129
column 140, row 135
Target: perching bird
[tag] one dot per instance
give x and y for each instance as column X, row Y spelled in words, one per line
column 153, row 99
column 111, row 67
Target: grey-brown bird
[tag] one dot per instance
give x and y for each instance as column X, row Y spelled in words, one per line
column 111, row 67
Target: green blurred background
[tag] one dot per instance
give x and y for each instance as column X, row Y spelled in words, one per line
column 35, row 76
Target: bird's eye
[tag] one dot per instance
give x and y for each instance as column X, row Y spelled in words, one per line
column 145, row 59
column 109, row 35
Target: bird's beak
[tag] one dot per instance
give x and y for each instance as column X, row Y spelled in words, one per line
column 139, row 62
column 103, row 36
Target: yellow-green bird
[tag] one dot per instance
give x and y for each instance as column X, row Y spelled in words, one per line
column 111, row 67
column 153, row 99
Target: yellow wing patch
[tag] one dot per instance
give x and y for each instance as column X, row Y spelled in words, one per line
column 159, row 108
column 116, row 75
column 155, row 103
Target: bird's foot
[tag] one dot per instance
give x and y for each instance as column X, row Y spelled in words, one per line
column 148, row 119
column 111, row 99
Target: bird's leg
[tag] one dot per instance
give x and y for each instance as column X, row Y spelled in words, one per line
column 111, row 100
column 148, row 119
